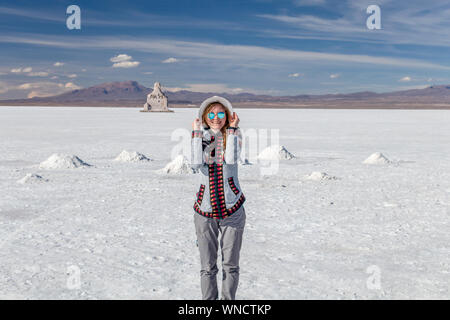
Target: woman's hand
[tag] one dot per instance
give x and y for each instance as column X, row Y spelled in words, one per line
column 234, row 121
column 196, row 125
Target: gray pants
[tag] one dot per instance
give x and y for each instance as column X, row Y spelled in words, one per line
column 231, row 230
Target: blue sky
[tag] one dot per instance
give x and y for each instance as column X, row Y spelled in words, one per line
column 279, row 47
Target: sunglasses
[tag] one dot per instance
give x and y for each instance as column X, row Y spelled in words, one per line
column 220, row 115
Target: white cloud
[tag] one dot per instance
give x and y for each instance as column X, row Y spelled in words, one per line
column 28, row 71
column 126, row 64
column 71, row 86
column 72, row 75
column 405, row 79
column 131, row 16
column 25, row 86
column 121, row 58
column 237, row 54
column 334, row 76
column 147, row 72
column 58, row 64
column 37, row 74
column 207, row 87
column 420, row 86
column 21, row 70
column 123, row 61
column 45, row 89
column 33, row 94
column 170, row 60
column 408, row 23
column 294, row 75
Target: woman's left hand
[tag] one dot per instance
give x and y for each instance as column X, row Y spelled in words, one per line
column 234, row 121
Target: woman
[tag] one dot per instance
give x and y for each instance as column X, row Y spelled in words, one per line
column 216, row 148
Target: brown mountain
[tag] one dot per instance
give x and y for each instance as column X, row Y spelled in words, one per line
column 132, row 94
column 126, row 90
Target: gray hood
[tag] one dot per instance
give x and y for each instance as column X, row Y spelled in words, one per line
column 205, row 103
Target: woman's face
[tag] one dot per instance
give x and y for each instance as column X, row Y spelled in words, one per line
column 216, row 123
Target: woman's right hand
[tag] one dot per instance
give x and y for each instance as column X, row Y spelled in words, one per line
column 196, row 125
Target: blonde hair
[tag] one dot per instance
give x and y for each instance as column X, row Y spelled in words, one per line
column 223, row 130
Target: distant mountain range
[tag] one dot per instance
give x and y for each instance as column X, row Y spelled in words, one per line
column 133, row 94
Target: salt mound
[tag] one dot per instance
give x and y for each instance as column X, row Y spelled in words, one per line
column 179, row 165
column 133, row 156
column 62, row 161
column 319, row 176
column 275, row 152
column 32, row 178
column 376, row 158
